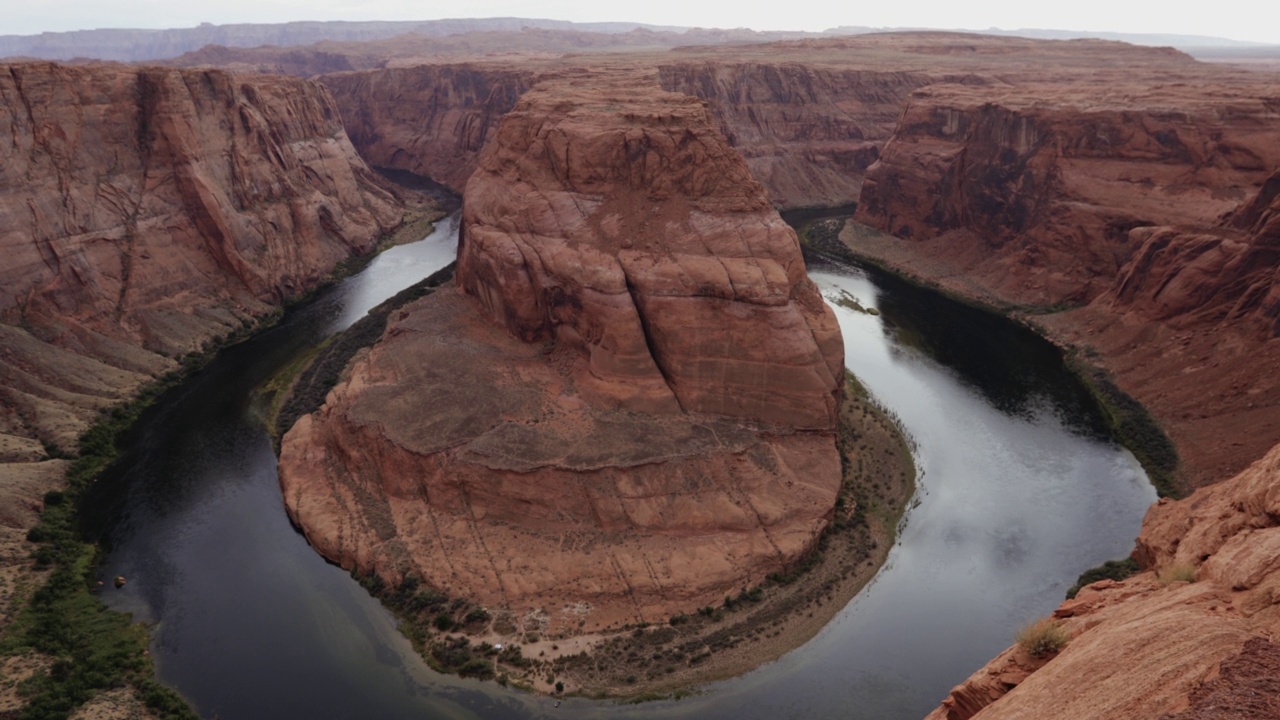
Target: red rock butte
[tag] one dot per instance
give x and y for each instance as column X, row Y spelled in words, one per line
column 630, row 413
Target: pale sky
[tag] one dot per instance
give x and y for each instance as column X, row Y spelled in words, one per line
column 1235, row 19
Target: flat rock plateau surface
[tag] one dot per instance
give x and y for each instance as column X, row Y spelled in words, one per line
column 626, row 412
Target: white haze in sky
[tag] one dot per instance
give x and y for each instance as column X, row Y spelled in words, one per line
column 1236, row 19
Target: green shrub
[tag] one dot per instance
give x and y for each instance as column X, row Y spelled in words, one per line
column 1109, row 570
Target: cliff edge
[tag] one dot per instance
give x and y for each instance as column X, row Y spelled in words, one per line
column 146, row 211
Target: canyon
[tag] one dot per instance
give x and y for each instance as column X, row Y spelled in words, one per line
column 627, row 410
column 1123, row 201
column 146, row 212
column 1008, row 175
column 144, row 216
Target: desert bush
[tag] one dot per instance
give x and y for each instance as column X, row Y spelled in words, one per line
column 1178, row 572
column 1042, row 637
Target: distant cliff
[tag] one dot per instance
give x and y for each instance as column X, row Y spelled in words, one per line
column 130, row 45
column 144, row 212
column 1041, row 185
column 431, row 120
column 807, row 134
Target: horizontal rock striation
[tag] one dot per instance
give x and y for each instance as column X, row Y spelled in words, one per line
column 1038, row 187
column 1146, row 211
column 146, row 211
column 809, row 116
column 807, row 133
column 430, row 120
column 627, row 229
column 631, row 411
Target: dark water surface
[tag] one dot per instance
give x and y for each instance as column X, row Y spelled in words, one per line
column 1021, row 491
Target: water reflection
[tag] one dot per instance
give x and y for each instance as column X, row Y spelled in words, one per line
column 1018, row 496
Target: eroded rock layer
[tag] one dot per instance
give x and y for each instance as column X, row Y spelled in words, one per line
column 1136, row 223
column 1040, row 186
column 809, row 116
column 144, row 212
column 631, row 410
column 626, row 228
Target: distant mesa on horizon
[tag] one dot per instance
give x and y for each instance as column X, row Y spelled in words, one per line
column 142, row 44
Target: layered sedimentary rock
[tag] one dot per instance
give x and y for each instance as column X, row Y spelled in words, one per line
column 644, row 243
column 1155, row 645
column 631, row 409
column 808, row 115
column 1037, row 188
column 1147, row 206
column 144, row 212
column 808, row 133
column 1229, row 273
column 430, row 120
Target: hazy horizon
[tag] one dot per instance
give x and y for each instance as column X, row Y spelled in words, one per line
column 1232, row 19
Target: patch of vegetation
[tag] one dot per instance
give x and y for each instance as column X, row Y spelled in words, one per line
column 94, row 649
column 455, row 655
column 1109, row 570
column 1133, row 426
column 301, row 388
column 1178, row 572
column 1045, row 636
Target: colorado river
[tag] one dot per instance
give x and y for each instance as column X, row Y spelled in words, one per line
column 1020, row 492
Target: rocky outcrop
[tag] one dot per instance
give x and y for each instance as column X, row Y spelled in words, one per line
column 643, row 242
column 1037, row 188
column 1155, row 644
column 144, row 212
column 629, row 414
column 1226, row 274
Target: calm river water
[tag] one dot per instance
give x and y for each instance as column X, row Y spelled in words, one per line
column 1021, row 491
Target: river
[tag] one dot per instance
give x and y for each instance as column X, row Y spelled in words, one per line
column 1020, row 491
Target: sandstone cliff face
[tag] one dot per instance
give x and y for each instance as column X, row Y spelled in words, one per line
column 430, row 119
column 807, row 133
column 143, row 212
column 1148, row 206
column 630, row 412
column 1039, row 186
column 1226, row 274
column 643, row 242
column 1145, row 647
